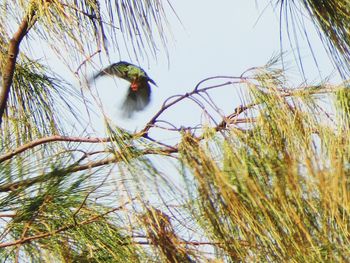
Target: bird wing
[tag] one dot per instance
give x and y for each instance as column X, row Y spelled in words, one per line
column 137, row 100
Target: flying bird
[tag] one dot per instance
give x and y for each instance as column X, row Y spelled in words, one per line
column 139, row 93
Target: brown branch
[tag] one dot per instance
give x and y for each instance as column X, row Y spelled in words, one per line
column 10, row 64
column 11, row 215
column 54, row 138
column 16, row 185
column 196, row 90
column 118, row 157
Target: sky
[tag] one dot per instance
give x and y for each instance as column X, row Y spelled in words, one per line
column 222, row 38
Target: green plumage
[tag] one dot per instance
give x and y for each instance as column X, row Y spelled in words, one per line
column 139, row 93
column 125, row 70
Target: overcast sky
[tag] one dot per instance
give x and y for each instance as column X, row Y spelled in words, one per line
column 224, row 37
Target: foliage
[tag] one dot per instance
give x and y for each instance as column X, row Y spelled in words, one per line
column 278, row 191
column 269, row 182
column 330, row 19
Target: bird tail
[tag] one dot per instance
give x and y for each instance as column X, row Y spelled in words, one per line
column 94, row 77
column 152, row 81
column 136, row 100
column 110, row 71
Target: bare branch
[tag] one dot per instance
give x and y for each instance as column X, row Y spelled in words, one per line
column 196, row 90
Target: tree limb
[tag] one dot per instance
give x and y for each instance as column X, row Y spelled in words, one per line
column 10, row 64
column 89, row 165
column 54, row 138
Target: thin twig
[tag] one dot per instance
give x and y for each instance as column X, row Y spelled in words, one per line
column 217, row 77
column 87, row 59
column 87, row 196
column 10, row 215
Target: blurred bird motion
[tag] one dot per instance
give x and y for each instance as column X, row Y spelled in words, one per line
column 139, row 93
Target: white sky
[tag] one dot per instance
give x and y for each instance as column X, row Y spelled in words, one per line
column 219, row 38
column 224, row 37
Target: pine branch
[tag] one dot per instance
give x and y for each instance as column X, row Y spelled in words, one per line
column 54, row 138
column 62, row 229
column 118, row 157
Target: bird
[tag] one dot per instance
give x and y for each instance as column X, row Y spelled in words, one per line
column 139, row 92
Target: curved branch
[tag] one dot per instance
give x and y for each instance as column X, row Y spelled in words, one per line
column 12, row 53
column 196, row 90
